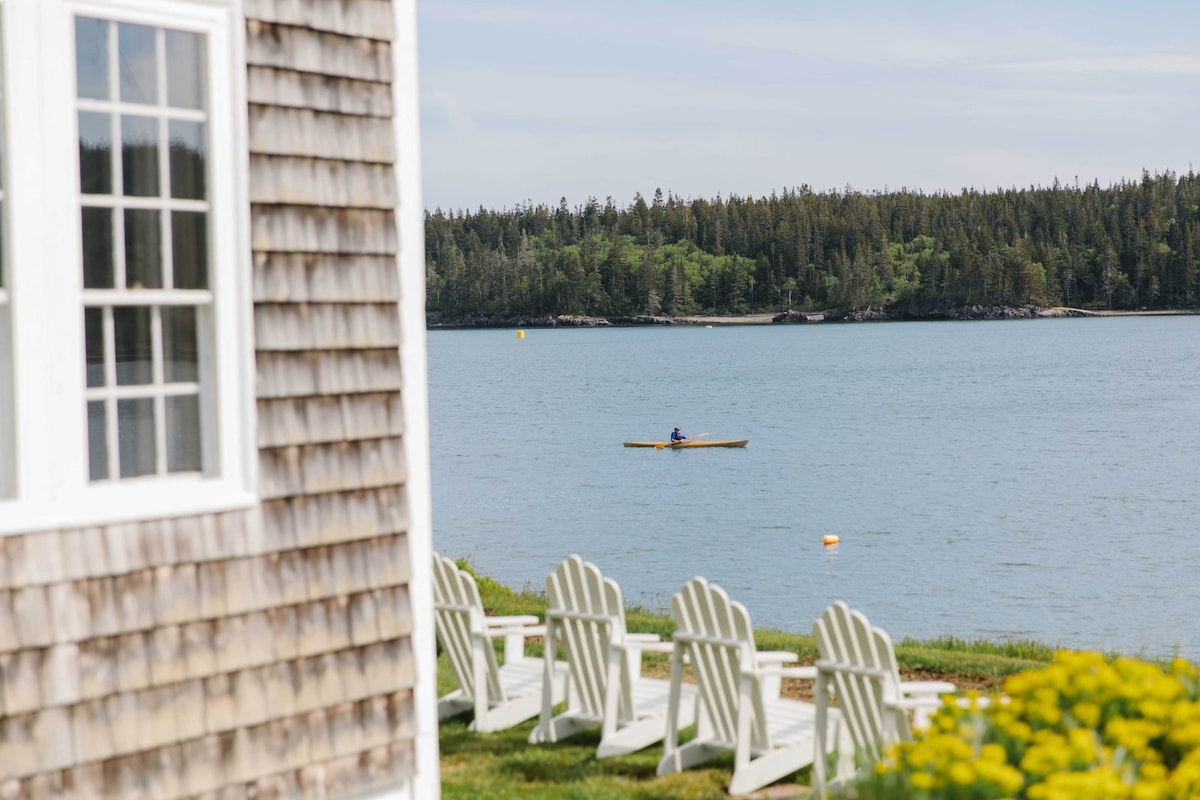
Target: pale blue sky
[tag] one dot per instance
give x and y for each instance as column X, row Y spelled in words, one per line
column 533, row 100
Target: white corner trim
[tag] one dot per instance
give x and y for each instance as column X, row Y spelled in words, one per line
column 410, row 221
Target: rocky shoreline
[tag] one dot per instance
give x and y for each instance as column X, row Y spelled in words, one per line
column 972, row 312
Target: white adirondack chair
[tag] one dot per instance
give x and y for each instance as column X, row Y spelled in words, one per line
column 858, row 665
column 740, row 710
column 587, row 618
column 501, row 695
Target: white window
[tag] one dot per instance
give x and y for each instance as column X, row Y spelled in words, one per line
column 127, row 267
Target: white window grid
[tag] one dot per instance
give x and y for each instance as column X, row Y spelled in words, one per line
column 48, row 306
column 158, row 389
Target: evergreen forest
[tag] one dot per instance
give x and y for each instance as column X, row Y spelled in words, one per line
column 1131, row 245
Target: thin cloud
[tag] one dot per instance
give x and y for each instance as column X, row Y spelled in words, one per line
column 1162, row 64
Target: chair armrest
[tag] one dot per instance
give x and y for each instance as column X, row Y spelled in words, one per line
column 650, row 647
column 510, row 622
column 642, row 637
column 925, row 702
column 911, row 688
column 523, row 630
column 773, row 658
column 803, row 673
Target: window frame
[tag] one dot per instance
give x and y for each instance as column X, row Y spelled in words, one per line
column 46, row 294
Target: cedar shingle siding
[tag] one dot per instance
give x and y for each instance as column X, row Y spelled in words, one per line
column 261, row 653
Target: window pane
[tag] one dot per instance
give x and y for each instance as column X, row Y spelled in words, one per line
column 131, row 337
column 93, row 331
column 183, row 433
column 180, row 356
column 188, row 155
column 91, row 58
column 189, row 249
column 97, row 248
column 185, row 69
column 143, row 249
column 139, row 156
column 139, row 75
column 135, row 437
column 95, row 153
column 97, row 442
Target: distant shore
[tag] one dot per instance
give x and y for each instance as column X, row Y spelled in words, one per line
column 1056, row 311
column 434, row 321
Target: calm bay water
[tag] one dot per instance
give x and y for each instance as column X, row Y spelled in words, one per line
column 1033, row 479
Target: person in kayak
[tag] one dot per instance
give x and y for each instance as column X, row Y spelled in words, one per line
column 677, row 437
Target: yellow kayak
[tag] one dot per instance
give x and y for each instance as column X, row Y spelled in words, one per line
column 697, row 443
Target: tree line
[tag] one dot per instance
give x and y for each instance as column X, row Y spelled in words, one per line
column 1135, row 244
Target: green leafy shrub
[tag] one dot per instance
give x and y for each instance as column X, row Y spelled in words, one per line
column 1086, row 727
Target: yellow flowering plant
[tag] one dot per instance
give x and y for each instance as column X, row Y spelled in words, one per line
column 1086, row 727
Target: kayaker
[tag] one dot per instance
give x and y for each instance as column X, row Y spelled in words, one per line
column 677, row 437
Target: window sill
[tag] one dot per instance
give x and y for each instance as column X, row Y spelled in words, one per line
column 133, row 501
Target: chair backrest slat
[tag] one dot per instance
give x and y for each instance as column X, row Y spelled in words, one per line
column 458, row 614
column 869, row 678
column 717, row 636
column 588, row 613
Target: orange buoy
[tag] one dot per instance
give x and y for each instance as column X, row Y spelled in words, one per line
column 828, row 540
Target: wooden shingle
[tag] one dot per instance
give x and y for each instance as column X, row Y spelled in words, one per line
column 31, row 615
column 325, row 278
column 229, row 643
column 282, row 374
column 97, row 667
column 350, row 17
column 22, row 684
column 306, row 684
column 373, row 721
column 339, row 622
column 306, row 50
column 135, row 600
column 323, row 230
column 319, row 741
column 18, row 749
column 91, row 730
column 168, row 657
column 326, row 326
column 133, row 662
column 220, row 703
column 190, row 716
column 320, row 134
column 286, row 632
column 42, row 561
column 60, row 675
column 309, row 181
column 199, row 652
column 53, row 739
column 352, row 668
column 202, row 764
column 70, row 611
column 162, row 770
column 289, row 89
column 8, row 623
column 250, row 692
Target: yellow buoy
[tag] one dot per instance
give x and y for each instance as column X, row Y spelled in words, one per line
column 520, row 334
column 708, row 326
column 828, row 540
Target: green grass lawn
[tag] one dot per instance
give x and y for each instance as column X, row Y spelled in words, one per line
column 504, row 765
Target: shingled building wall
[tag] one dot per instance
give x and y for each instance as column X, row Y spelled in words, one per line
column 263, row 652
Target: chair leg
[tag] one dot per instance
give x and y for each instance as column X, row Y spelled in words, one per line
column 768, row 768
column 559, row 728
column 688, row 756
column 632, row 737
